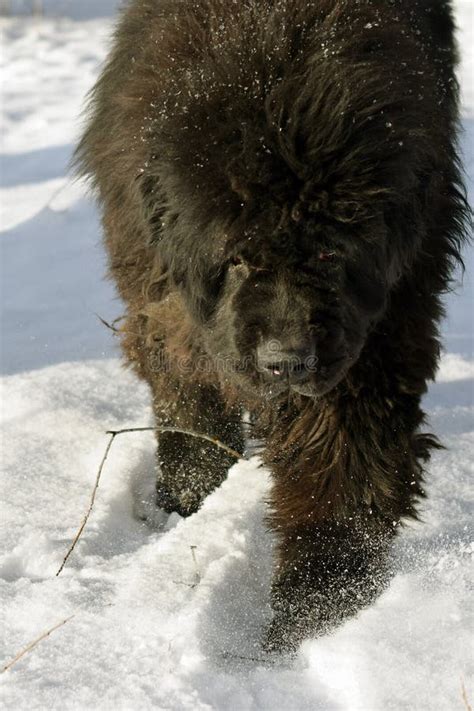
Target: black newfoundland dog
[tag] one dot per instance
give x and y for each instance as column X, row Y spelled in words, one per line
column 283, row 209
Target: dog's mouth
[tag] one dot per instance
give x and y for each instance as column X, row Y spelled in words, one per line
column 319, row 382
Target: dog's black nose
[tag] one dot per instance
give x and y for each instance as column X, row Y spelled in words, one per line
column 277, row 364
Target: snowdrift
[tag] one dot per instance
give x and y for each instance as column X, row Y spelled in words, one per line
column 167, row 614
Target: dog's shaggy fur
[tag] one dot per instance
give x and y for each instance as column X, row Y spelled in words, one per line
column 285, row 172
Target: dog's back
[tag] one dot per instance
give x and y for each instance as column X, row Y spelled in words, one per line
column 191, row 86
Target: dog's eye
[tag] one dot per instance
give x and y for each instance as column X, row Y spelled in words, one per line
column 326, row 256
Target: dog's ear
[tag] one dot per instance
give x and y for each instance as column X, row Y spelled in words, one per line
column 203, row 292
column 196, row 278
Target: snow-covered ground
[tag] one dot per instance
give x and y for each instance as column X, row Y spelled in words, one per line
column 170, row 619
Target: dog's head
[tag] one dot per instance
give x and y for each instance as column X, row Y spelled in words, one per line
column 294, row 193
column 293, row 306
column 288, row 289
column 285, row 297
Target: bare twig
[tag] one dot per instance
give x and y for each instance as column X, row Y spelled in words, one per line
column 187, row 585
column 197, row 574
column 113, row 434
column 33, row 644
column 91, row 504
column 464, row 696
column 56, row 192
column 231, row 655
column 112, row 325
column 190, row 433
column 196, row 567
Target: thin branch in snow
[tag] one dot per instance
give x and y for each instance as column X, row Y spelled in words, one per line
column 464, row 696
column 231, row 655
column 113, row 434
column 33, row 644
column 55, row 194
column 197, row 573
column 187, row 585
column 190, row 433
column 91, row 504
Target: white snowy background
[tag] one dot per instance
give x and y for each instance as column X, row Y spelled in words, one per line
column 170, row 619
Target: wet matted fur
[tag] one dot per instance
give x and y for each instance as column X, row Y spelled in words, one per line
column 278, row 179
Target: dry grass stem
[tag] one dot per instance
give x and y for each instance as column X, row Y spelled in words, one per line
column 187, row 585
column 464, row 696
column 197, row 574
column 91, row 504
column 196, row 567
column 33, row 644
column 111, row 326
column 190, row 433
column 231, row 655
column 113, row 434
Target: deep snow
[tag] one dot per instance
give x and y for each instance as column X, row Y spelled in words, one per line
column 159, row 624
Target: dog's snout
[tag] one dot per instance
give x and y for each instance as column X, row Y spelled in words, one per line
column 292, row 364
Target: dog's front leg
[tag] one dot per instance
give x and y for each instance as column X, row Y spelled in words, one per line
column 325, row 574
column 343, row 479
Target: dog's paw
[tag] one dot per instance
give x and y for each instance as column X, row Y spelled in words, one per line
column 280, row 637
column 300, row 612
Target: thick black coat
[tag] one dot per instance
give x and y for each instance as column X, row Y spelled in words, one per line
column 284, row 173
